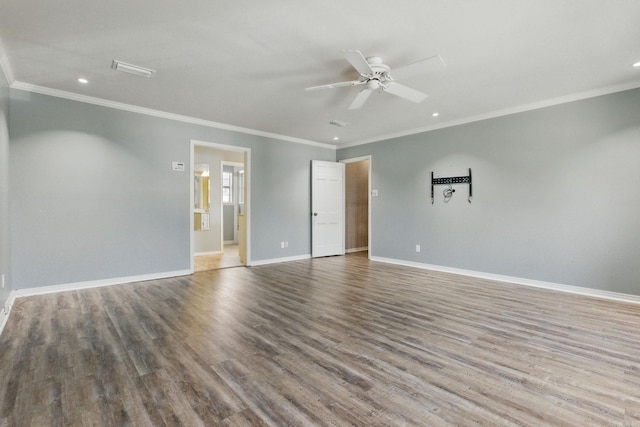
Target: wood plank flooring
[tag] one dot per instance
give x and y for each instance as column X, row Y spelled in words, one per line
column 329, row 342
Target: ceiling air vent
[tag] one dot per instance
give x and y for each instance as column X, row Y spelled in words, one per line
column 338, row 123
column 132, row 69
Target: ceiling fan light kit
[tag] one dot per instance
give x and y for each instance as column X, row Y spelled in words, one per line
column 375, row 75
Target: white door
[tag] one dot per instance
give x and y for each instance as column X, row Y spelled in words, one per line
column 327, row 208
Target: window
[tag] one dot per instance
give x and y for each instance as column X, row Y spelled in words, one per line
column 227, row 187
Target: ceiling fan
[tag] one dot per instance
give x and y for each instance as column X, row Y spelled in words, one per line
column 376, row 75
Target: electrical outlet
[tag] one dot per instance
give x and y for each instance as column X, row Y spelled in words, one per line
column 282, row 244
column 286, row 243
column 417, row 248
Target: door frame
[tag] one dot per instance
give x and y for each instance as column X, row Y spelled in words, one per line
column 247, row 201
column 360, row 159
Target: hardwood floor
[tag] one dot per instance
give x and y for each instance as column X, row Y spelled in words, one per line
column 331, row 341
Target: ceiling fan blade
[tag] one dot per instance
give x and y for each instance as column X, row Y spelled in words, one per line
column 360, row 99
column 358, row 61
column 421, row 67
column 339, row 84
column 404, row 92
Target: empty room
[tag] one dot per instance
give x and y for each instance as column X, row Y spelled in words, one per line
column 417, row 213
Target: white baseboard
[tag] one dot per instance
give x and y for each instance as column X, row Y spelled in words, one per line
column 207, row 253
column 4, row 316
column 362, row 249
column 98, row 283
column 277, row 260
column 615, row 296
column 6, row 310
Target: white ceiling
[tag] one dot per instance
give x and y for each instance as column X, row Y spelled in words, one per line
column 246, row 63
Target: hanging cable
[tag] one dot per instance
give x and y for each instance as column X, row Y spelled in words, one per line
column 448, row 192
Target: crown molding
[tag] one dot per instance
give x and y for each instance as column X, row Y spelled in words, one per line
column 161, row 114
column 4, row 65
column 500, row 113
column 208, row 123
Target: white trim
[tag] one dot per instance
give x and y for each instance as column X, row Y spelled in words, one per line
column 208, row 123
column 279, row 260
column 162, row 114
column 207, row 253
column 192, row 245
column 609, row 295
column 4, row 65
column 362, row 249
column 5, row 311
column 4, row 317
column 369, row 234
column 42, row 290
column 499, row 113
column 8, row 305
column 356, row 159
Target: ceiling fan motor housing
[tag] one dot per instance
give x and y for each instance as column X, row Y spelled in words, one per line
column 380, row 70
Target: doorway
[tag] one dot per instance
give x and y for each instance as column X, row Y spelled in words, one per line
column 358, row 205
column 228, row 194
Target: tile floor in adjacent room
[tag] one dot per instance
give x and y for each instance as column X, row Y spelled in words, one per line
column 229, row 258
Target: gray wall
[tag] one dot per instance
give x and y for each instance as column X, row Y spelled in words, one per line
column 556, row 195
column 228, row 223
column 280, row 182
column 5, row 245
column 93, row 195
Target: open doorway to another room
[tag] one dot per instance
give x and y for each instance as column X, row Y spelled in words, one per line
column 357, row 205
column 219, row 233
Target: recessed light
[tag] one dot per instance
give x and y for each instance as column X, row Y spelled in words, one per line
column 82, row 80
column 435, row 114
column 335, row 138
column 637, row 64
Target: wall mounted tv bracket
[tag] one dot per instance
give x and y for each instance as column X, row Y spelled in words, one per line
column 452, row 180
